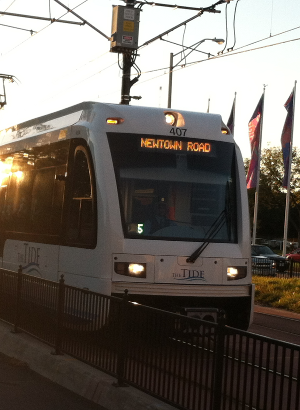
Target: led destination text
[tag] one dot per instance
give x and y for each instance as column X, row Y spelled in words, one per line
column 165, row 144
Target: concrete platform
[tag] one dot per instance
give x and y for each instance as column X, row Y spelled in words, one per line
column 85, row 380
column 74, row 375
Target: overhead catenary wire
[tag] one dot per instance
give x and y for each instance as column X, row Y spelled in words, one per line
column 209, row 9
column 138, row 70
column 6, row 13
column 234, row 34
column 8, row 7
column 174, row 6
column 44, row 28
column 231, row 53
column 197, row 62
column 188, row 64
column 82, row 19
column 67, row 74
column 268, row 38
column 186, row 47
column 18, row 28
column 209, row 59
column 80, row 82
column 182, row 44
column 226, row 28
column 167, row 68
column 200, row 61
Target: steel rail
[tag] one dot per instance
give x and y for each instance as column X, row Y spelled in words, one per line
column 233, row 359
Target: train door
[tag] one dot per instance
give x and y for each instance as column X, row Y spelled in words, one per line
column 77, row 260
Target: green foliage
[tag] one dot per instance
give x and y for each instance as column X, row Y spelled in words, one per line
column 283, row 293
column 272, row 197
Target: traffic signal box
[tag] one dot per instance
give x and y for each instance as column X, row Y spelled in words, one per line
column 125, row 29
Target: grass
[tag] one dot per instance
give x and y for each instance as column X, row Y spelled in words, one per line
column 282, row 293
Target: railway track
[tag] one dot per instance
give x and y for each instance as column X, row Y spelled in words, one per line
column 277, row 324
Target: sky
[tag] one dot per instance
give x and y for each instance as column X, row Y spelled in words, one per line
column 61, row 64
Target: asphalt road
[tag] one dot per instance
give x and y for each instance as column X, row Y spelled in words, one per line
column 23, row 389
column 276, row 324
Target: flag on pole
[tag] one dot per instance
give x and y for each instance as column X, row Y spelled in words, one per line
column 286, row 137
column 231, row 119
column 254, row 126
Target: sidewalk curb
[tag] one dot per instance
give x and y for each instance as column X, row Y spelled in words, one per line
column 74, row 375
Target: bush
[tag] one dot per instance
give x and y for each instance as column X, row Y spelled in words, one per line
column 278, row 292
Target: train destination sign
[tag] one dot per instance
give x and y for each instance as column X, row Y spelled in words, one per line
column 202, row 147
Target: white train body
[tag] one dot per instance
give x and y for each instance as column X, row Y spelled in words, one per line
column 80, row 194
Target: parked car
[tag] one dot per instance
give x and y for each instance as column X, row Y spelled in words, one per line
column 262, row 250
column 295, row 255
column 263, row 266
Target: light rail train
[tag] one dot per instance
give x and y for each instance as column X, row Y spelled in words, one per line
column 119, row 197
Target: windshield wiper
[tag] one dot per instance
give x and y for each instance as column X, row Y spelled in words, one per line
column 212, row 232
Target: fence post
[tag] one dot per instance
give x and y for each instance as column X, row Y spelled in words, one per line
column 59, row 316
column 291, row 267
column 219, row 362
column 122, row 342
column 18, row 301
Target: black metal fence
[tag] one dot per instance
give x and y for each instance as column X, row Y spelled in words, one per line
column 188, row 363
column 268, row 267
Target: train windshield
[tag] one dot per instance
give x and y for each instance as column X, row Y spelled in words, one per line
column 175, row 188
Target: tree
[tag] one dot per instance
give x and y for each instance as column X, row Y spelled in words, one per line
column 272, row 197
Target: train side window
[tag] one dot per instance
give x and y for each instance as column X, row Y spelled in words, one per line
column 81, row 225
column 41, row 207
column 32, row 192
column 15, row 193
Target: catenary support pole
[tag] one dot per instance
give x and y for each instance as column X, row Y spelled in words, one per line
column 170, row 81
column 127, row 64
column 125, row 90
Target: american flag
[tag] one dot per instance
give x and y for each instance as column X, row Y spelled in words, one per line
column 254, row 136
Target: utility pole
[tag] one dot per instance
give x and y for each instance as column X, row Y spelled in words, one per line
column 124, row 40
column 170, row 80
column 125, row 90
column 126, row 82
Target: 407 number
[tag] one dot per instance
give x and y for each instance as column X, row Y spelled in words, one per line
column 179, row 132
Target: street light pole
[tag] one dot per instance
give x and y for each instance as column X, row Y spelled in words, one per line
column 170, row 80
column 171, row 67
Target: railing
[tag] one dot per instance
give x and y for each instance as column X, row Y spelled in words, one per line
column 283, row 269
column 188, row 363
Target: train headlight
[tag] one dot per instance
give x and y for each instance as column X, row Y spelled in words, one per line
column 170, row 118
column 232, row 272
column 236, row 272
column 174, row 118
column 137, row 270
